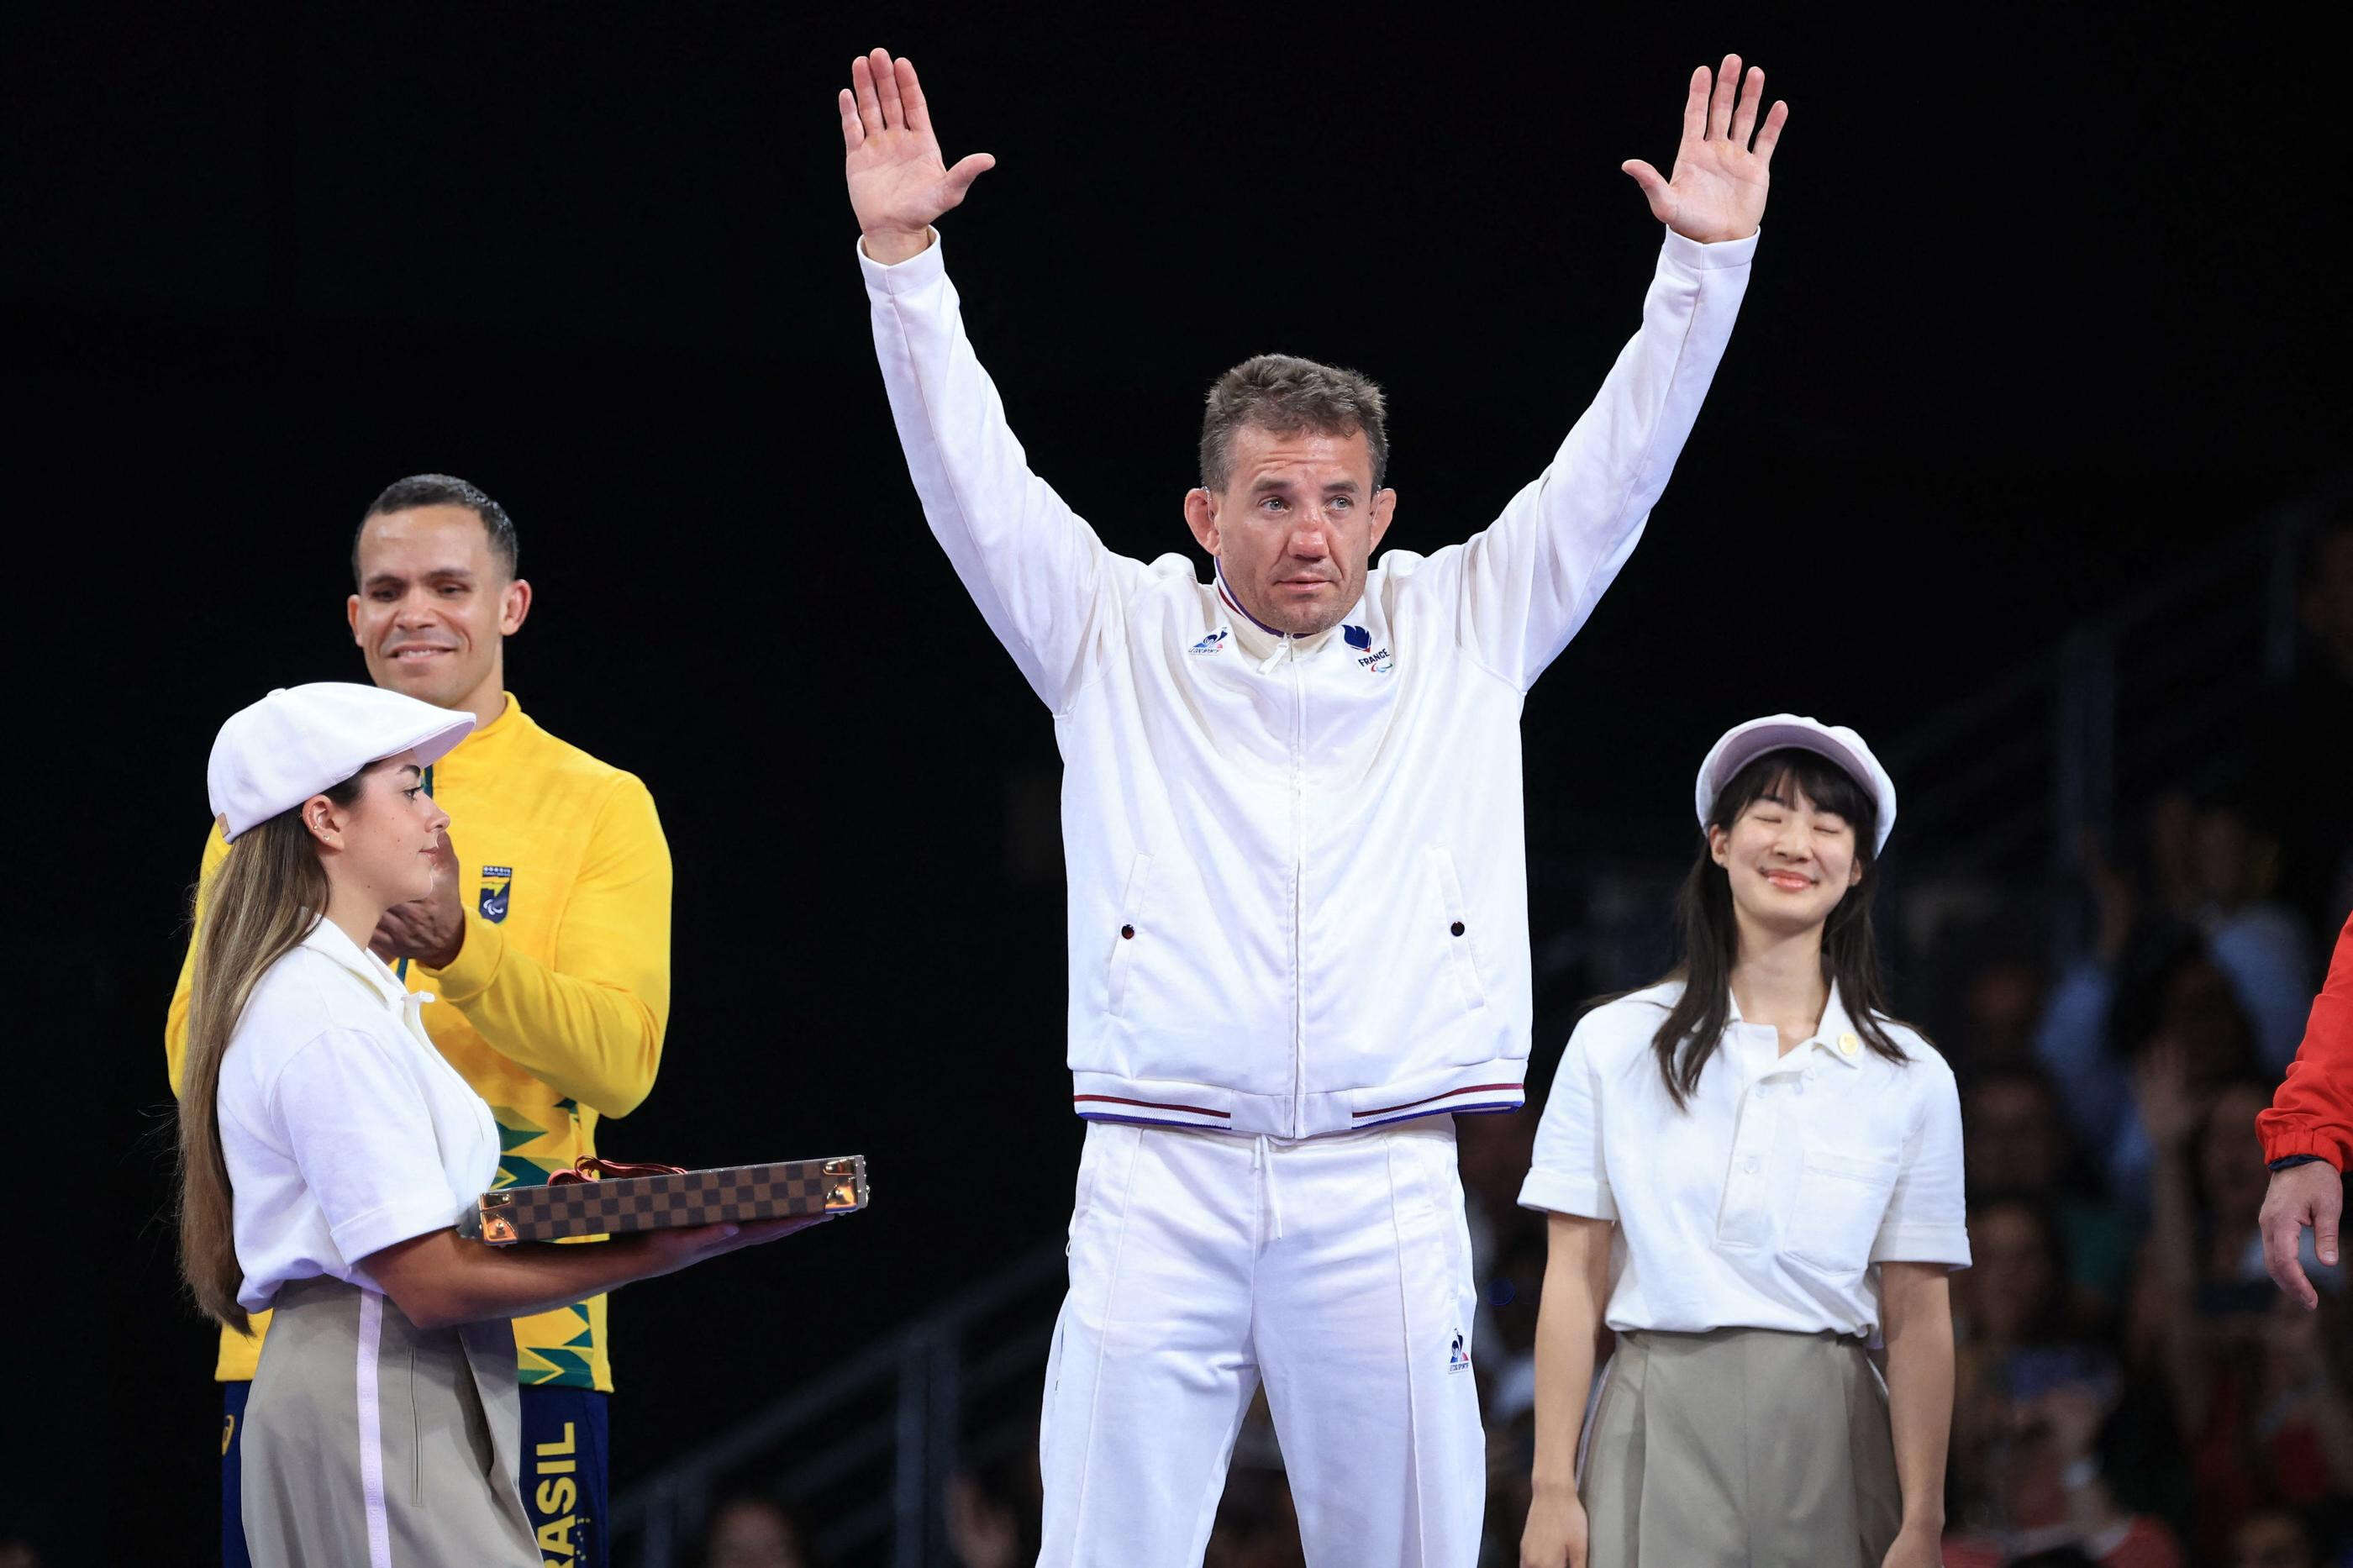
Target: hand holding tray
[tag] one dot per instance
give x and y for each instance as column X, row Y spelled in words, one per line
column 599, row 1197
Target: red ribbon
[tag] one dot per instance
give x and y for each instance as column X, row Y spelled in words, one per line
column 588, row 1168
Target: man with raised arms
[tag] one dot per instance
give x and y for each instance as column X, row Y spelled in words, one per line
column 1298, row 903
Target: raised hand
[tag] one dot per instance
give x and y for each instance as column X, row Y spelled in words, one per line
column 898, row 181
column 1718, row 189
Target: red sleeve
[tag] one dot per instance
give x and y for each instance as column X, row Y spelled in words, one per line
column 2312, row 1113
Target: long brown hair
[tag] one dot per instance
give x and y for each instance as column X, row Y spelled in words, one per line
column 258, row 905
column 1694, row 1025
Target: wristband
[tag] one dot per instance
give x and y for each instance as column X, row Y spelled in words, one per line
column 2289, row 1162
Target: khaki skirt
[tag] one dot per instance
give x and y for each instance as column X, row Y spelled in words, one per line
column 1740, row 1448
column 371, row 1443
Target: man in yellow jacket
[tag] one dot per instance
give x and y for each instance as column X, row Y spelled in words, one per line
column 546, row 939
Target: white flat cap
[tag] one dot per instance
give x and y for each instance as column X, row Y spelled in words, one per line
column 1743, row 743
column 301, row 740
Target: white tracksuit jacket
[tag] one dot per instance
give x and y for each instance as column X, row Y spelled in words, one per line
column 1298, row 883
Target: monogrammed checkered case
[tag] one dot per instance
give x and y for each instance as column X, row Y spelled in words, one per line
column 618, row 1205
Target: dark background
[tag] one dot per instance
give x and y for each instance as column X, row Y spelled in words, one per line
column 2045, row 300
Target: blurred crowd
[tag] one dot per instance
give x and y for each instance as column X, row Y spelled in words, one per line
column 2131, row 1390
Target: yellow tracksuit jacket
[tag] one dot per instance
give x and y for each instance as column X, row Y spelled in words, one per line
column 555, row 1007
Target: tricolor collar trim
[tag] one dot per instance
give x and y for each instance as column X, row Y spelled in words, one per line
column 1235, row 605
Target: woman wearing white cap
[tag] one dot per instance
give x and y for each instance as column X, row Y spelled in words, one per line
column 326, row 1150
column 1752, row 1174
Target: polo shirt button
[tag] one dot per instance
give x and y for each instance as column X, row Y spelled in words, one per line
column 1128, row 932
column 1848, row 1045
column 1749, row 1164
column 1456, row 928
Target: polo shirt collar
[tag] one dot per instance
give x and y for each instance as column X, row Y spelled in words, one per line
column 326, row 939
column 1834, row 1037
column 1838, row 1039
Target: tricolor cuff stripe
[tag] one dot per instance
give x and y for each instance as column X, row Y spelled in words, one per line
column 1475, row 1109
column 1148, row 1120
column 1516, row 1090
column 1081, row 1100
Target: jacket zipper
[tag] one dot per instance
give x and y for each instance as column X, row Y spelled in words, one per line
column 1298, row 898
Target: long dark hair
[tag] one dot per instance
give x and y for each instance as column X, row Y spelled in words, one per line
column 1711, row 938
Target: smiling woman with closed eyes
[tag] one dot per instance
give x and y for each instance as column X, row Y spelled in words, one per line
column 1753, row 1176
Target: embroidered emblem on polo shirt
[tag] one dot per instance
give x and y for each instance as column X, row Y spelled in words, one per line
column 1459, row 1360
column 1357, row 637
column 498, row 881
column 1213, row 642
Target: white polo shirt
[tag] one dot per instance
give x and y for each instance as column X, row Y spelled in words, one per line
column 343, row 1130
column 1764, row 1203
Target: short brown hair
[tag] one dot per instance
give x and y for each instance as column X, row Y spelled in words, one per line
column 1284, row 394
column 444, row 490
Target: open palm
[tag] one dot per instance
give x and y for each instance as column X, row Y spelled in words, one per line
column 1717, row 191
column 898, row 180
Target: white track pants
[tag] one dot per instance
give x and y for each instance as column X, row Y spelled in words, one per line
column 1338, row 1270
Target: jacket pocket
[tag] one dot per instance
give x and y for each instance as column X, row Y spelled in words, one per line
column 1840, row 1200
column 1134, row 926
column 1453, row 927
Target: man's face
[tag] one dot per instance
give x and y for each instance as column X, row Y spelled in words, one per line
column 434, row 604
column 1295, row 525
